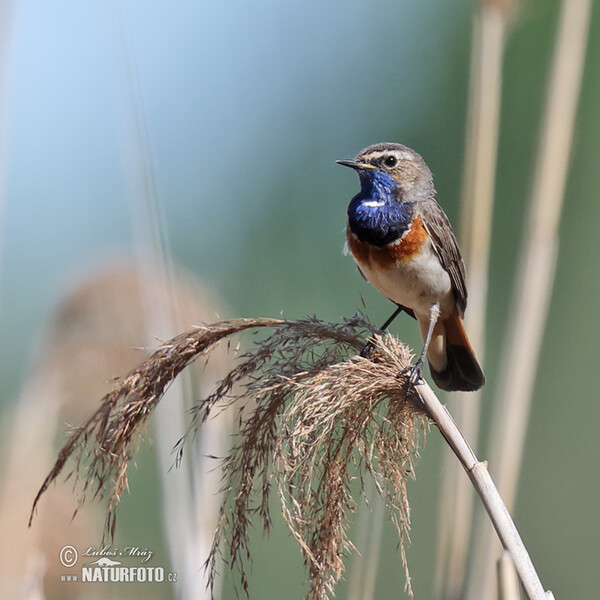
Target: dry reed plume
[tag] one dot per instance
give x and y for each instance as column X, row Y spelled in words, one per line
column 313, row 418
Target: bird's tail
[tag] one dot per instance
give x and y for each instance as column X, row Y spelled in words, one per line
column 462, row 372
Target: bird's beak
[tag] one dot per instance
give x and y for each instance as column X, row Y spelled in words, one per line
column 355, row 164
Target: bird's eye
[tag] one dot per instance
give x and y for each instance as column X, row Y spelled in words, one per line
column 390, row 161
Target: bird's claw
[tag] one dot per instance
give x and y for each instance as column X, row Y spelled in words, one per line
column 414, row 373
column 367, row 351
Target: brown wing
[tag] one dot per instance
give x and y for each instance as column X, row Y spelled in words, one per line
column 438, row 226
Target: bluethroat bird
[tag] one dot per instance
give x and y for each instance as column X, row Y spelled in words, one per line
column 403, row 244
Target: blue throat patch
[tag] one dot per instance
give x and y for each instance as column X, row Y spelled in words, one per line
column 377, row 215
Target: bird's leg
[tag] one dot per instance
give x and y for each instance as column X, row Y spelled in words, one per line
column 398, row 310
column 416, row 369
column 368, row 348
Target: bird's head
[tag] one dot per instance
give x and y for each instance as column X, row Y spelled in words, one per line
column 394, row 165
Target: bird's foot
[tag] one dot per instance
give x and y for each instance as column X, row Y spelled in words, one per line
column 414, row 373
column 367, row 351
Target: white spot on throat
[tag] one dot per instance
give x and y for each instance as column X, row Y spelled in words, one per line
column 373, row 203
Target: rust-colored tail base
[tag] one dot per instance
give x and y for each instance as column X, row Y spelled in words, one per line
column 462, row 372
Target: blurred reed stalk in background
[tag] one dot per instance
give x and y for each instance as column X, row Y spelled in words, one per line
column 483, row 120
column 535, row 278
column 28, row 564
column 189, row 494
column 508, row 581
column 95, row 334
column 365, row 561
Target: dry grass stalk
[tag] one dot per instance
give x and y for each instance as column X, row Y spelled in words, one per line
column 311, row 420
column 335, row 435
column 488, row 492
column 109, row 436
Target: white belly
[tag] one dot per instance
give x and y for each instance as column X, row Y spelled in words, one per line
column 418, row 283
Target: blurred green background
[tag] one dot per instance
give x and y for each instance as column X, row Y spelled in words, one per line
column 245, row 107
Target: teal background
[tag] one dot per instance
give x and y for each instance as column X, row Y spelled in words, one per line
column 246, row 107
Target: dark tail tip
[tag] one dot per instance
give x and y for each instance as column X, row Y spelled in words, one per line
column 462, row 373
